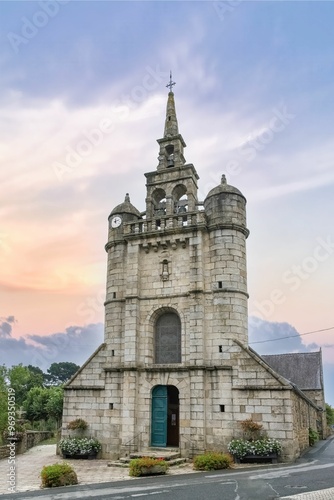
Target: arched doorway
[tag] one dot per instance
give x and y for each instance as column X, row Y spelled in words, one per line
column 165, row 416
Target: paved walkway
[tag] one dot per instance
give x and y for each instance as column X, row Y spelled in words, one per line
column 327, row 494
column 29, row 465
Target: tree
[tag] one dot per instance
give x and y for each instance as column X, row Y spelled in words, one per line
column 59, row 373
column 54, row 405
column 43, row 403
column 329, row 414
column 35, row 404
column 37, row 375
column 3, row 400
column 3, row 378
column 21, row 379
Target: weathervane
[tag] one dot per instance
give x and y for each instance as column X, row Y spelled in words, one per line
column 171, row 83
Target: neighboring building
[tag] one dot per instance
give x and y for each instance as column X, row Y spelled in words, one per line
column 304, row 370
column 175, row 368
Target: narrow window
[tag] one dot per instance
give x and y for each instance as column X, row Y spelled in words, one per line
column 168, row 339
column 220, row 284
column 220, row 348
column 222, row 408
column 114, row 295
column 113, row 352
column 111, row 406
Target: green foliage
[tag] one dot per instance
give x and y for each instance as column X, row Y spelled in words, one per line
column 54, row 404
column 3, row 378
column 79, row 446
column 3, row 413
column 138, row 465
column 212, row 460
column 313, row 436
column 329, row 415
column 3, row 400
column 77, row 424
column 21, row 379
column 241, row 447
column 59, row 373
column 35, row 403
column 60, row 474
column 37, row 375
column 44, row 403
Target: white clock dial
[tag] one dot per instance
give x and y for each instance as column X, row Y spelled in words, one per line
column 116, row 221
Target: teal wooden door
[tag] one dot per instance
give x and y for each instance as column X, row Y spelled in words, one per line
column 159, row 416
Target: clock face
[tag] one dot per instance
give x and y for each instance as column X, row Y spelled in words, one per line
column 116, row 221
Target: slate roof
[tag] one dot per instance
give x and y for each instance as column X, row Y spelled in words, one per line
column 304, row 369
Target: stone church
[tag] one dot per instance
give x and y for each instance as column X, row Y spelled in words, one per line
column 175, row 369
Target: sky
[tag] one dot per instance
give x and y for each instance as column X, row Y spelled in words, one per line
column 82, row 102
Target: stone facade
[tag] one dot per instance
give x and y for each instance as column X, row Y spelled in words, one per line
column 175, row 369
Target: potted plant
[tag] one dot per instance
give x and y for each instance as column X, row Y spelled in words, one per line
column 75, row 447
column 147, row 466
column 265, row 448
column 255, row 444
column 79, row 425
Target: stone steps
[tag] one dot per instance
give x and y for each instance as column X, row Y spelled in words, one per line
column 171, row 455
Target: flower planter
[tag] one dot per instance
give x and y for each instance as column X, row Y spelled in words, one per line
column 152, row 471
column 79, row 448
column 273, row 457
column 81, row 456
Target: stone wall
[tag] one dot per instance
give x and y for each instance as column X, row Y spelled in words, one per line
column 318, row 398
column 305, row 417
column 4, row 452
column 30, row 439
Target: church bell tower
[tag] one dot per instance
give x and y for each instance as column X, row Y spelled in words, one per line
column 175, row 314
column 176, row 296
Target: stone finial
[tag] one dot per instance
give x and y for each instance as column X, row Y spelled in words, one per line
column 223, row 181
column 127, row 197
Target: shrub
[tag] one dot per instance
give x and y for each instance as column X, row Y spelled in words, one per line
column 250, row 425
column 138, row 464
column 313, row 436
column 239, row 448
column 212, row 460
column 58, row 475
column 79, row 446
column 77, row 424
column 251, row 430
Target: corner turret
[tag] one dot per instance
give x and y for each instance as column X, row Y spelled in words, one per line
column 225, row 206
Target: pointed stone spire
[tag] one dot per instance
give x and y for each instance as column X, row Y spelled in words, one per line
column 172, row 143
column 171, row 126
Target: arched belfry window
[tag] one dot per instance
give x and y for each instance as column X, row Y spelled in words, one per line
column 180, row 199
column 168, row 339
column 159, row 202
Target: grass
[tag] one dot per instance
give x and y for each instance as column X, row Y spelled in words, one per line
column 52, row 440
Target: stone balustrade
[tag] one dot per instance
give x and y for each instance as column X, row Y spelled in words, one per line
column 165, row 222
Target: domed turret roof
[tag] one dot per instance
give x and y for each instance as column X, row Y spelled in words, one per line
column 224, row 188
column 126, row 208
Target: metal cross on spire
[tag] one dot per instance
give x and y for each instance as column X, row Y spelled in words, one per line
column 171, row 83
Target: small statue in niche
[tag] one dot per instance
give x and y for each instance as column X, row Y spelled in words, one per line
column 165, row 271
